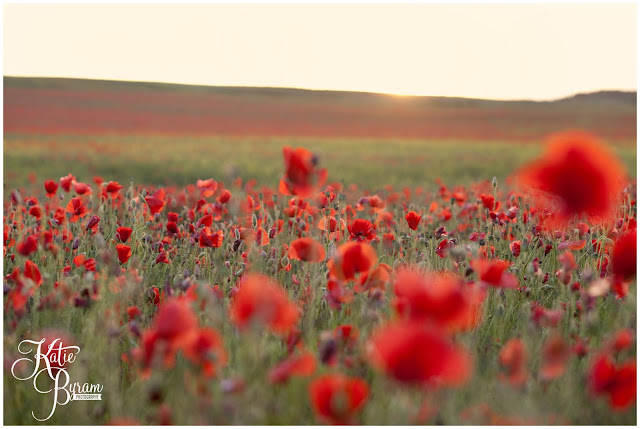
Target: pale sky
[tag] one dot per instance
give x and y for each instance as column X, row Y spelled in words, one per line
column 501, row 51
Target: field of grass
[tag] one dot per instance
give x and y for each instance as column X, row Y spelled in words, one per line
column 563, row 325
column 406, row 288
column 181, row 160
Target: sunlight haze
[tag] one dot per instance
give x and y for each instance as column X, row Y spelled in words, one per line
column 508, row 51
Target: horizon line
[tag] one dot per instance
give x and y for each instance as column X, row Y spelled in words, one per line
column 97, row 79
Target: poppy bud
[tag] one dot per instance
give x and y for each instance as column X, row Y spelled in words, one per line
column 254, row 221
column 237, row 232
column 236, row 245
column 76, row 243
column 494, row 182
column 92, row 222
column 272, row 232
column 285, row 262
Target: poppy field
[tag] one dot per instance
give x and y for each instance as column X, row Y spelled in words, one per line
column 305, row 288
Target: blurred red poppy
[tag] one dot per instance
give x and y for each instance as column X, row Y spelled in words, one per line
column 624, row 255
column 413, row 220
column 301, row 178
column 411, row 352
column 113, row 188
column 206, row 349
column 27, row 246
column 351, row 259
column 82, row 188
column 156, row 201
column 224, row 197
column 513, row 357
column 555, row 354
column 577, row 174
column 306, row 249
column 493, row 273
column 66, row 182
column 617, row 383
column 124, row 253
column 336, row 399
column 32, row 272
column 51, row 187
column 260, row 300
column 441, row 299
column 207, row 187
column 301, row 364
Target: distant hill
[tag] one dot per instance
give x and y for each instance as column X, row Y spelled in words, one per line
column 78, row 106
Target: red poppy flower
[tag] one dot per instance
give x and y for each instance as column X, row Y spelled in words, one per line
column 210, row 239
column 513, row 357
column 156, row 201
column 622, row 340
column 337, row 294
column 414, row 353
column 336, row 399
column 301, row 178
column 259, row 299
column 572, row 245
column 124, row 253
column 76, row 210
column 413, row 220
column 224, row 197
column 82, row 188
column 306, row 249
column 578, row 174
column 515, row 247
column 90, row 264
column 32, row 272
column 489, row 202
column 113, row 188
column 175, row 321
column 555, row 354
column 27, row 246
column 207, row 187
column 36, row 212
column 133, row 312
column 206, row 349
column 362, row 230
column 441, row 299
column 624, row 255
column 375, row 279
column 443, row 248
column 163, row 258
column 67, row 181
column 51, row 187
column 93, row 223
column 123, row 233
column 352, row 259
column 493, row 273
column 79, row 260
column 618, row 383
column 302, row 365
